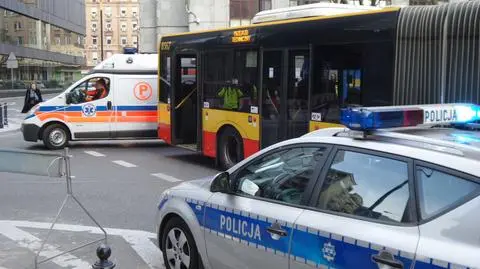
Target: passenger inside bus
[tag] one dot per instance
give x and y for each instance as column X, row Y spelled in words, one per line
column 231, row 94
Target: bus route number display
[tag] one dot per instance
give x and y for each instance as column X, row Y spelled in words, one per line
column 241, row 36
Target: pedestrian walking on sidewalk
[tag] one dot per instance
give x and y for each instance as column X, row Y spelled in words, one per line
column 33, row 96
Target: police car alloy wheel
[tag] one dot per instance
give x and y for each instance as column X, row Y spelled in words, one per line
column 55, row 136
column 178, row 245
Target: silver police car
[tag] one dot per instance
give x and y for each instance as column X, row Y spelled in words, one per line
column 334, row 198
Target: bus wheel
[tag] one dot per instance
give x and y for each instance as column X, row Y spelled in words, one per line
column 55, row 136
column 230, row 148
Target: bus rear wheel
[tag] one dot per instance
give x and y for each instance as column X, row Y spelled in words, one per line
column 230, row 148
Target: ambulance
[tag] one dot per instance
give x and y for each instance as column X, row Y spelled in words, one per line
column 126, row 110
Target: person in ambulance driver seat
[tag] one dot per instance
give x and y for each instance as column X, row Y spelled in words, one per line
column 100, row 92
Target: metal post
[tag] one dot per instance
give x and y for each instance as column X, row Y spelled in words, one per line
column 1, row 116
column 101, row 34
column 11, row 75
column 5, row 114
column 103, row 253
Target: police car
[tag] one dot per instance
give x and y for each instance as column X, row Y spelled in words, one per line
column 398, row 188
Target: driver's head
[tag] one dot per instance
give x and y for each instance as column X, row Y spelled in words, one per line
column 100, row 84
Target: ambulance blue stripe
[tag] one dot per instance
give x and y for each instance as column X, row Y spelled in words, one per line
column 308, row 246
column 78, row 108
column 137, row 108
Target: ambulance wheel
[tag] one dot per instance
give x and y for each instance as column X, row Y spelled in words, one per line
column 230, row 148
column 55, row 136
column 178, row 245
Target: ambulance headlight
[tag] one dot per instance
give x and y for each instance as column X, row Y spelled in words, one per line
column 31, row 112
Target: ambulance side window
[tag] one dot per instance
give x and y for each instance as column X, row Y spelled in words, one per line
column 89, row 90
column 77, row 96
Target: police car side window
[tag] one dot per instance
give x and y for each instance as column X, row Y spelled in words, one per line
column 282, row 176
column 438, row 191
column 366, row 185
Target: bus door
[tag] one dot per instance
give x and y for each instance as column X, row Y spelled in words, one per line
column 285, row 95
column 185, row 102
column 297, row 93
column 273, row 111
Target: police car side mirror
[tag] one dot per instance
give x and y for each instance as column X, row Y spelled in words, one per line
column 221, row 183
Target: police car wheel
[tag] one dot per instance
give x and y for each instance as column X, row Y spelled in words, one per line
column 55, row 136
column 178, row 245
column 230, row 148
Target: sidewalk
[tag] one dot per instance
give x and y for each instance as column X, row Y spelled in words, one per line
column 10, row 127
column 21, row 92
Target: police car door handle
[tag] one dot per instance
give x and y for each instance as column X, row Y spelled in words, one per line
column 276, row 229
column 387, row 258
column 109, row 105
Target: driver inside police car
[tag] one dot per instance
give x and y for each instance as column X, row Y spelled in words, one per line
column 100, row 92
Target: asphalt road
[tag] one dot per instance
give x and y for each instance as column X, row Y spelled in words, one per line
column 119, row 182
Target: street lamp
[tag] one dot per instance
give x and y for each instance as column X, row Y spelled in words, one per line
column 101, row 30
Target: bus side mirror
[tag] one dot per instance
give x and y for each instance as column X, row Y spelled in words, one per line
column 221, row 183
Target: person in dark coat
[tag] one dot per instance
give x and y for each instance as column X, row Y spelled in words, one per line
column 33, row 96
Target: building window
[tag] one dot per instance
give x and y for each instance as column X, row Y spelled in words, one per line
column 94, row 40
column 265, row 5
column 123, row 12
column 134, row 25
column 124, row 27
column 94, row 56
column 134, row 11
column 124, row 40
column 109, row 27
column 93, row 12
column 108, row 11
column 135, row 40
column 242, row 11
column 18, row 26
column 109, row 40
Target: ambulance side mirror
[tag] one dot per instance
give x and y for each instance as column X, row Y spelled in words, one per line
column 68, row 98
column 221, row 183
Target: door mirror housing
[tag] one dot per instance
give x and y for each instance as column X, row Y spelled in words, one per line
column 221, row 183
column 68, row 98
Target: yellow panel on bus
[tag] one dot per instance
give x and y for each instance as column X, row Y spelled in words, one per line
column 316, row 125
column 247, row 124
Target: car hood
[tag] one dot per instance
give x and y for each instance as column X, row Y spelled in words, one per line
column 203, row 183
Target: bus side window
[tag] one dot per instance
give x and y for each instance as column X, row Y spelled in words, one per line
column 218, row 75
column 245, row 70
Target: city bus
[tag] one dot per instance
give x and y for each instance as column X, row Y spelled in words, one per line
column 228, row 93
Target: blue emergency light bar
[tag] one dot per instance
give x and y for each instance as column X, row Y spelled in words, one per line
column 371, row 118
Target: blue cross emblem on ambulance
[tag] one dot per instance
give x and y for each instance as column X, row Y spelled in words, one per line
column 329, row 252
column 89, row 110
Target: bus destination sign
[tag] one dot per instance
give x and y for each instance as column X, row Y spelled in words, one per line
column 241, row 36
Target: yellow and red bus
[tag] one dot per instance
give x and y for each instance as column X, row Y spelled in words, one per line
column 227, row 93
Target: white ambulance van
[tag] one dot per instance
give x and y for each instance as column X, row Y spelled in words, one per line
column 127, row 109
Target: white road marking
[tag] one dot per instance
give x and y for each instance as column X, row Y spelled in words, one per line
column 140, row 241
column 166, row 177
column 94, row 153
column 124, row 163
column 33, row 243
